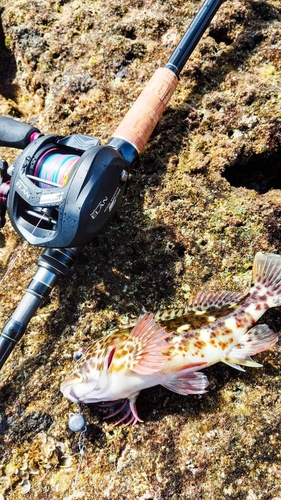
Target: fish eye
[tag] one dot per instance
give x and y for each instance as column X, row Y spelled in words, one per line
column 78, row 354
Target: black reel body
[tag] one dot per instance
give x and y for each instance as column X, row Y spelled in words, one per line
column 63, row 191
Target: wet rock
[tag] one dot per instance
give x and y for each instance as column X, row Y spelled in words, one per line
column 202, row 200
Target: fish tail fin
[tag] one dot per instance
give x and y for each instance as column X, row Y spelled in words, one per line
column 267, row 277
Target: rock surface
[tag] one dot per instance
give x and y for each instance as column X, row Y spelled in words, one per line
column 203, row 199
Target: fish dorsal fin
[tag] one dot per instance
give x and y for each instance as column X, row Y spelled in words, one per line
column 202, row 305
column 127, row 322
column 257, row 339
column 208, row 300
column 146, row 342
column 205, row 307
column 187, row 383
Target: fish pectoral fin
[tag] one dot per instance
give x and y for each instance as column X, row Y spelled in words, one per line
column 257, row 339
column 187, row 383
column 148, row 340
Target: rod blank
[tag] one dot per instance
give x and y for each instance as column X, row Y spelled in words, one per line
column 193, row 35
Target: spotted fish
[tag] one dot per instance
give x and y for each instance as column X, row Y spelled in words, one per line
column 118, row 366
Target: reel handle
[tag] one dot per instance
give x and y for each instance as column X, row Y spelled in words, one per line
column 15, row 134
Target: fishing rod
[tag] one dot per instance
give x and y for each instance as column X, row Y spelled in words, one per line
column 61, row 192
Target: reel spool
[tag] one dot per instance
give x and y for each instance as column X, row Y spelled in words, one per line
column 55, row 168
column 64, row 190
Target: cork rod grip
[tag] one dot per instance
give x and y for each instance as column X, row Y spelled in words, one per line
column 140, row 121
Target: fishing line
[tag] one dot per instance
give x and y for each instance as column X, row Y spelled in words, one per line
column 20, row 252
column 13, row 261
column 55, row 168
column 81, row 444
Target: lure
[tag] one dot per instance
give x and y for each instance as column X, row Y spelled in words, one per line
column 118, row 366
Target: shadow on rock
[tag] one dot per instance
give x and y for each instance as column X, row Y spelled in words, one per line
column 7, row 65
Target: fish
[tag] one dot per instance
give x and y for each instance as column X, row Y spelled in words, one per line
column 162, row 349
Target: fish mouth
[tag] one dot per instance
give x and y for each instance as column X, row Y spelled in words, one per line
column 68, row 384
column 76, row 389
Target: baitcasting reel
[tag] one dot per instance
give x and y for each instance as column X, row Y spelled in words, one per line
column 63, row 190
